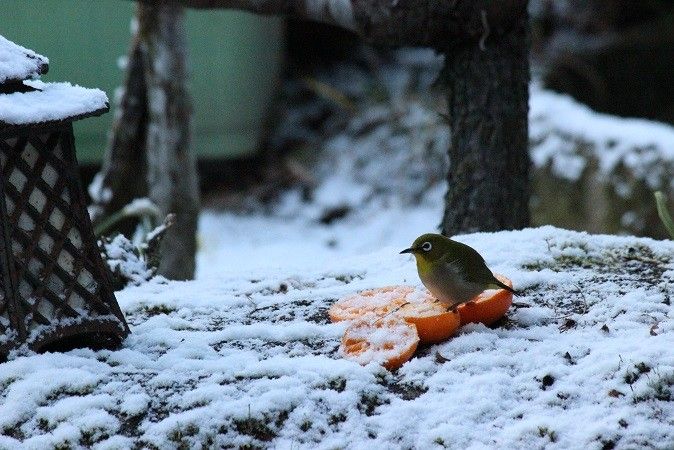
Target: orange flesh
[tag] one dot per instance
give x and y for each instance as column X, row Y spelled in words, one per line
column 390, row 341
column 434, row 323
column 380, row 301
column 489, row 306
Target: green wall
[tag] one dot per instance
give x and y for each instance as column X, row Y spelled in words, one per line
column 235, row 59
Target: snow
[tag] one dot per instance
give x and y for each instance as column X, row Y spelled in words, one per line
column 125, row 263
column 18, row 63
column 50, row 102
column 340, row 11
column 557, row 120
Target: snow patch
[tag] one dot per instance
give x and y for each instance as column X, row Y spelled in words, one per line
column 18, row 63
column 556, row 120
column 339, row 11
column 50, row 102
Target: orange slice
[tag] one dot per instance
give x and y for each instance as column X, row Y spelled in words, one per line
column 389, row 340
column 489, row 306
column 434, row 323
column 379, row 301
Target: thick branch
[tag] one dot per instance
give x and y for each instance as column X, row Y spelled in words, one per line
column 437, row 24
column 334, row 12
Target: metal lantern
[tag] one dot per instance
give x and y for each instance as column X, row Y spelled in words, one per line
column 55, row 290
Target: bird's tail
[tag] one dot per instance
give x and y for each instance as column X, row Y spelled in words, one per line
column 501, row 285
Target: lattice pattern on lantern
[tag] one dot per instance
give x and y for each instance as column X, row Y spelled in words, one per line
column 54, row 270
column 6, row 333
column 55, row 290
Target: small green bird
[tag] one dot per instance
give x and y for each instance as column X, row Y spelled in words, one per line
column 453, row 272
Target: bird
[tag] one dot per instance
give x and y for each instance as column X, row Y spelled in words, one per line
column 453, row 272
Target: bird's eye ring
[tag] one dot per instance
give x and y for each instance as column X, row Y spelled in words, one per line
column 426, row 246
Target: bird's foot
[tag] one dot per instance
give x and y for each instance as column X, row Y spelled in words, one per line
column 455, row 308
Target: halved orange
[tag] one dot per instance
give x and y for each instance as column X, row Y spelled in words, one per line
column 433, row 321
column 378, row 301
column 489, row 306
column 389, row 340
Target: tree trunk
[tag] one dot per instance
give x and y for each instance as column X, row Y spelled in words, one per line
column 172, row 174
column 488, row 180
column 121, row 179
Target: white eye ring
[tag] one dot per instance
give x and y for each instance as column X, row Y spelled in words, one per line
column 426, row 246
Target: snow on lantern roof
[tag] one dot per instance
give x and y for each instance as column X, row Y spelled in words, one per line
column 26, row 102
column 18, row 63
column 50, row 102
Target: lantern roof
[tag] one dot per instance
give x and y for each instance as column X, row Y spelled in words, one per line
column 18, row 63
column 26, row 101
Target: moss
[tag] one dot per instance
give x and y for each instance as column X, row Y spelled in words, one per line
column 642, row 367
column 633, row 259
column 337, row 384
column 63, row 446
column 250, row 446
column 659, row 388
column 90, row 437
column 306, row 425
column 156, row 310
column 336, row 419
column 547, row 381
column 348, row 278
column 631, row 376
column 68, row 391
column 407, row 391
column 43, row 425
column 368, row 403
column 546, row 432
column 256, row 428
column 608, row 444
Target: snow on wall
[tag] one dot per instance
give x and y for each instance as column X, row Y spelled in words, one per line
column 610, row 165
column 557, row 119
column 51, row 102
column 19, row 63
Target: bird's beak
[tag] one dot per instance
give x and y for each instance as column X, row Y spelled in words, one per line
column 408, row 250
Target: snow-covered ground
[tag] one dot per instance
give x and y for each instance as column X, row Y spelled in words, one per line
column 245, row 356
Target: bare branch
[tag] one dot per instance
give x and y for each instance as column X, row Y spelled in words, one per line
column 439, row 24
column 334, row 12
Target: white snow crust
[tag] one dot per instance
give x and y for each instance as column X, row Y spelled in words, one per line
column 51, row 102
column 556, row 121
column 245, row 355
column 18, row 63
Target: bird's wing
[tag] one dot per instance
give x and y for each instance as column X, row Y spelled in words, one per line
column 453, row 264
column 476, row 270
column 474, row 267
